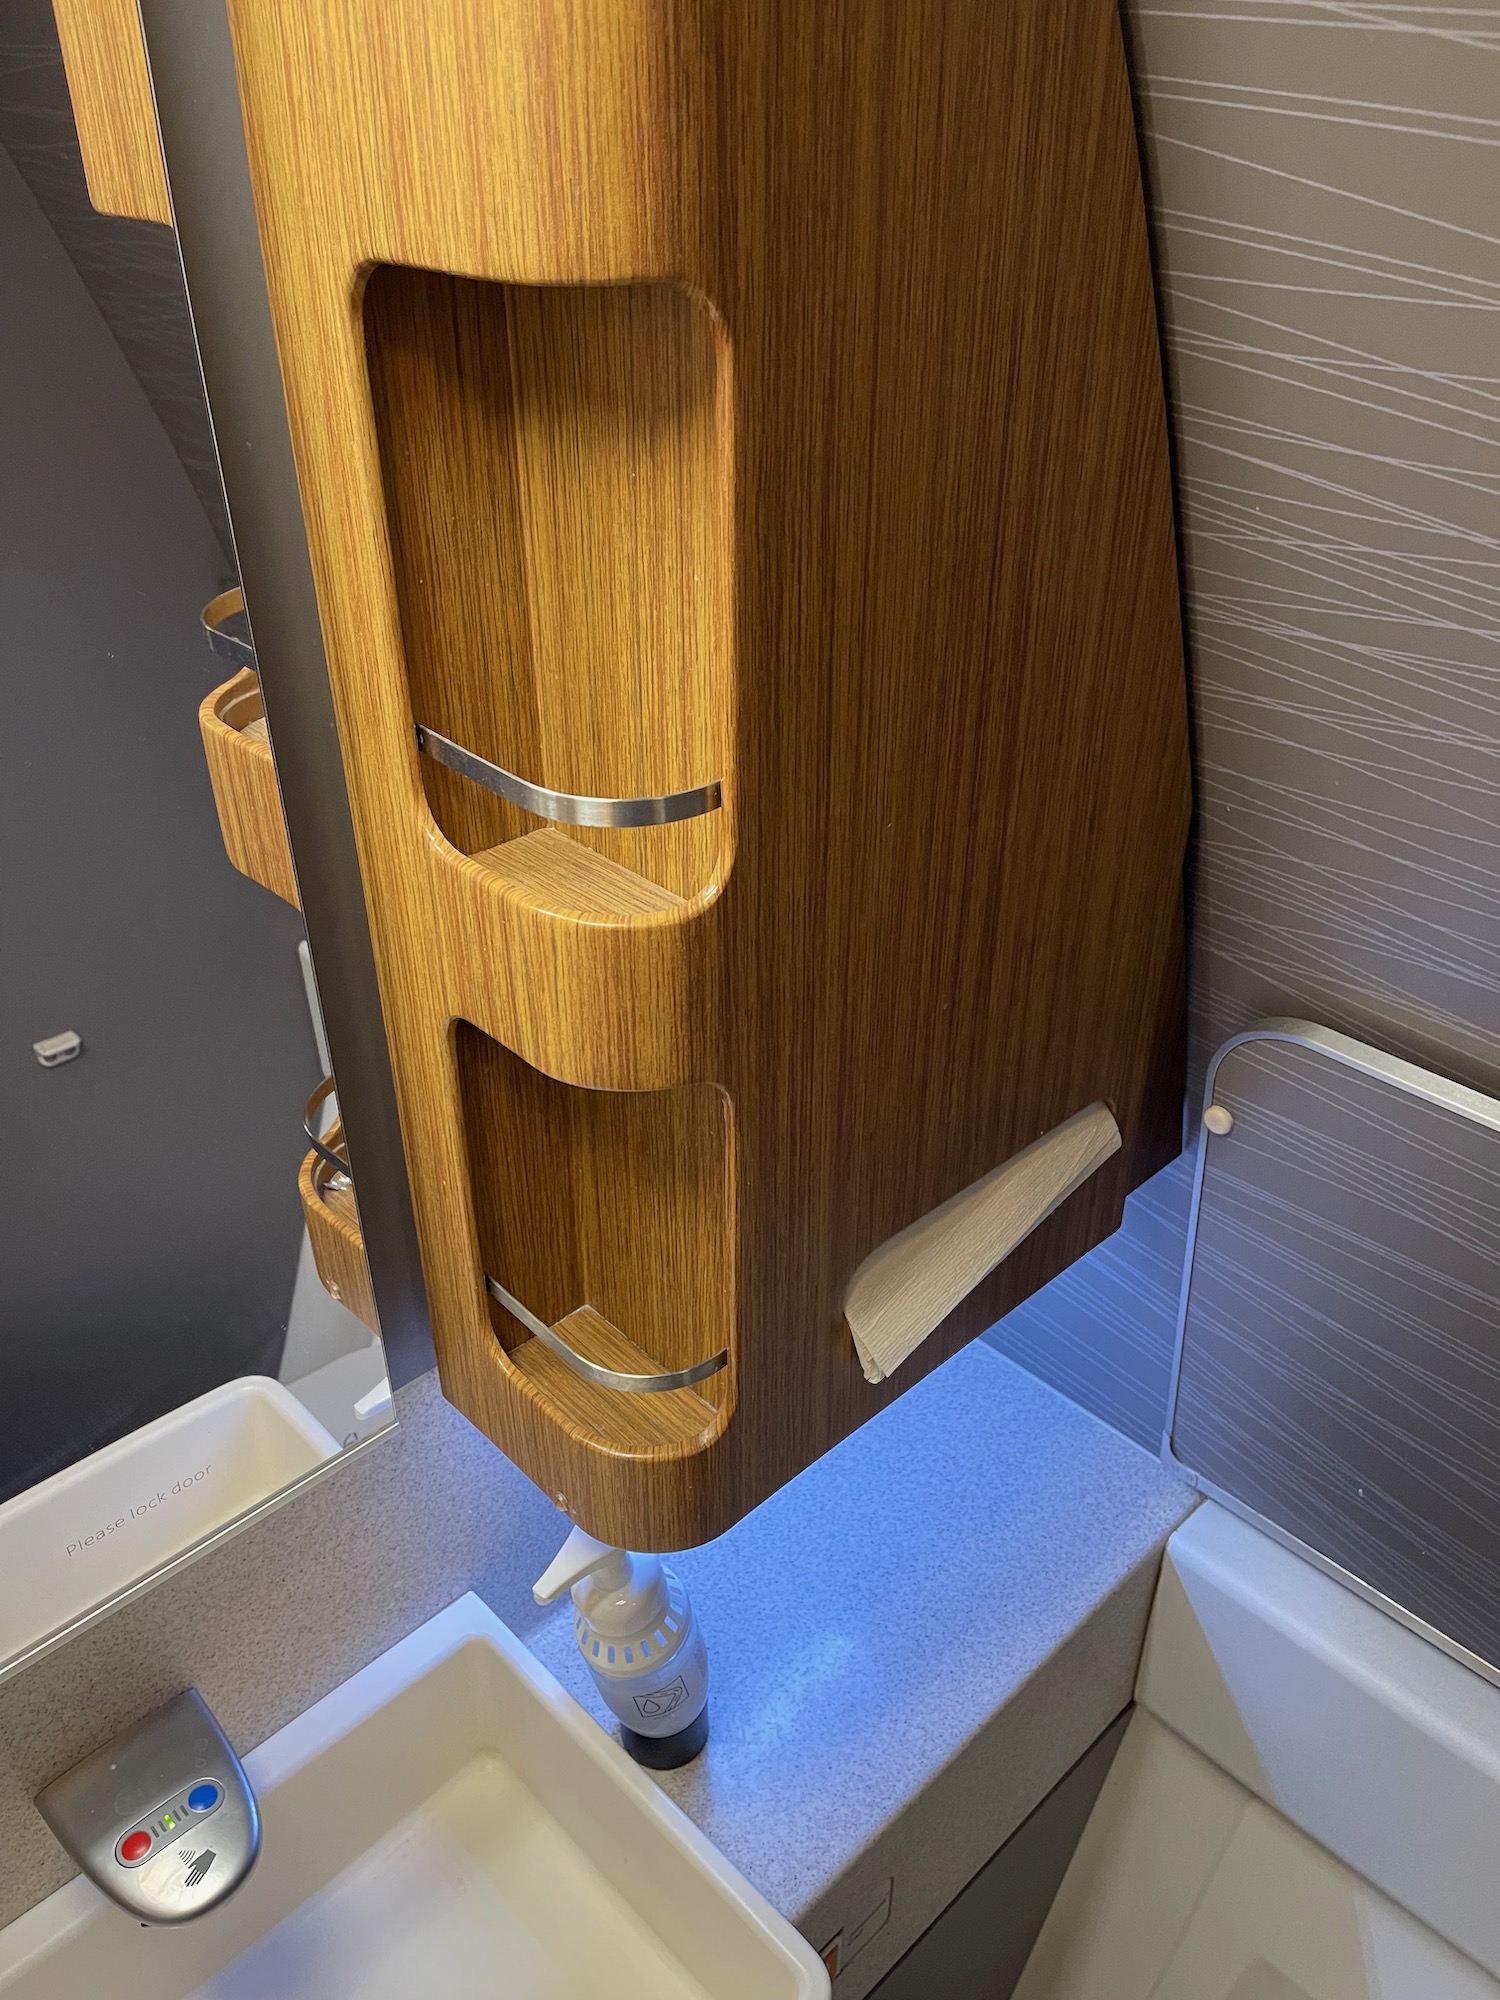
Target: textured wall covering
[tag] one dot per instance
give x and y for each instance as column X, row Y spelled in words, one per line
column 1326, row 178
column 1325, row 187
column 1341, row 1363
column 1103, row 1332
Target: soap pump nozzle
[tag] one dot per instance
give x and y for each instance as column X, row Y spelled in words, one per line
column 640, row 1640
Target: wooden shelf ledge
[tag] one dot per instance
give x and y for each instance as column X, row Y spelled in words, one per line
column 612, row 1418
column 585, row 969
column 243, row 773
column 562, row 878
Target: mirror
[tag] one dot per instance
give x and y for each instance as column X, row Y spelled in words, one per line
column 187, row 1324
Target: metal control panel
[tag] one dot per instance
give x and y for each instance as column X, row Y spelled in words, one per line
column 163, row 1818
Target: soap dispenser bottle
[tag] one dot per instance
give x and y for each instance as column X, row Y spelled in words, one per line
column 639, row 1639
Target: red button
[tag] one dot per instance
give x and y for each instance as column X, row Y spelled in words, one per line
column 134, row 1845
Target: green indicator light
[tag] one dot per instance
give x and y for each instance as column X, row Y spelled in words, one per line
column 167, row 1822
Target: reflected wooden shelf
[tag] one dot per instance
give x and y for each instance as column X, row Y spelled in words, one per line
column 338, row 1248
column 110, row 87
column 243, row 773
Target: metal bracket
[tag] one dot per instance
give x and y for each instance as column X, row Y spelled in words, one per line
column 607, row 1378
column 227, row 628
column 338, row 1161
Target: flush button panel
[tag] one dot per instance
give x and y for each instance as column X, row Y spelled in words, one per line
column 162, row 1818
column 170, row 1822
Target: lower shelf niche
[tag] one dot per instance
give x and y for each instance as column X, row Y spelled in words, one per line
column 609, row 1215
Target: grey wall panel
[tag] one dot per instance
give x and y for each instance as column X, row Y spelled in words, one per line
column 1340, row 1369
column 1103, row 1331
column 149, row 1220
column 1325, row 191
column 129, row 269
column 1326, row 184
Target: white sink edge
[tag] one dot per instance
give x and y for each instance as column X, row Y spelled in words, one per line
column 470, row 1618
column 468, row 1622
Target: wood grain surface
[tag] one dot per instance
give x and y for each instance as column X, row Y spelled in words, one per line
column 243, row 773
column 338, row 1247
column 110, row 88
column 904, row 1290
column 771, row 394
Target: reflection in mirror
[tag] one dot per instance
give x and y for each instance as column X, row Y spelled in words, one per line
column 186, row 1321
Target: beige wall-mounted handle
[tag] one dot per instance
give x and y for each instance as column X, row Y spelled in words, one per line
column 907, row 1287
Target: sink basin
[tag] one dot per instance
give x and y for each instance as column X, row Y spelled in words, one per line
column 73, row 1542
column 448, row 1822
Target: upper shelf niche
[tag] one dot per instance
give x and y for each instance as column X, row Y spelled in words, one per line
column 555, row 474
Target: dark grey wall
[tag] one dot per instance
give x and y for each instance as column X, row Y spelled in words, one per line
column 1325, row 184
column 129, row 269
column 149, row 1224
column 1341, row 1359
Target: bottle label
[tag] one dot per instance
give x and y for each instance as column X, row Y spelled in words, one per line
column 658, row 1703
column 662, row 1702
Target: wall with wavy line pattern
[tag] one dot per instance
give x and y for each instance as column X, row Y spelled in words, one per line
column 1324, row 181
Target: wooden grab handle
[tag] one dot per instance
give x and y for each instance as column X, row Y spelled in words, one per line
column 908, row 1286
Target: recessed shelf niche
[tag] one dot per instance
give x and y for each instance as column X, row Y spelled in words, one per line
column 609, row 1215
column 555, row 473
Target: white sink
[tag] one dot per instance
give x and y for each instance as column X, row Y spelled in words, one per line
column 447, row 1823
column 73, row 1542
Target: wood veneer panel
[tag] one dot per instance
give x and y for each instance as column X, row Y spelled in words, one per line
column 566, row 880
column 906, row 1288
column 243, row 773
column 944, row 913
column 110, row 88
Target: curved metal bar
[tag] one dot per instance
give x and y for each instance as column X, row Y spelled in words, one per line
column 571, row 808
column 607, row 1378
column 339, row 1161
column 227, row 628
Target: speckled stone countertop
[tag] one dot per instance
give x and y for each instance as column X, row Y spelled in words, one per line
column 911, row 1644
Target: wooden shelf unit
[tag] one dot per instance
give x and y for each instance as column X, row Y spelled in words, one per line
column 764, row 395
column 109, row 84
column 243, row 773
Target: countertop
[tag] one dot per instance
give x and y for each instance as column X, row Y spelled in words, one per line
column 911, row 1644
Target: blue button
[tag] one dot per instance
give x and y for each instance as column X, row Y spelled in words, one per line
column 203, row 1798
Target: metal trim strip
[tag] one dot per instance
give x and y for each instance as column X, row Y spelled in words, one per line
column 569, row 808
